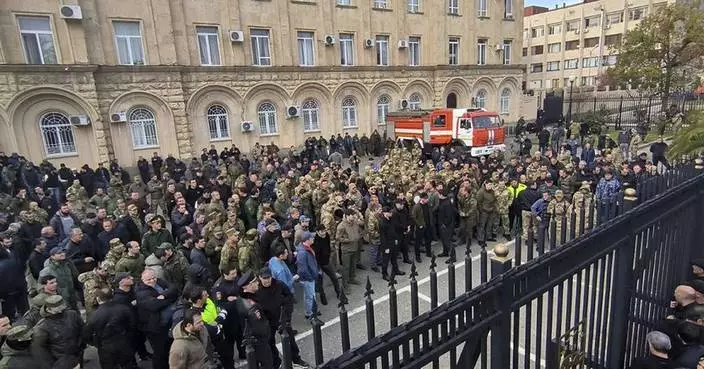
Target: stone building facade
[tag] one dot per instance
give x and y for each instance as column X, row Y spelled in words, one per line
column 172, row 99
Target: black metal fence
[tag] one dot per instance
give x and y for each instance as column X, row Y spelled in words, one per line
column 587, row 290
column 625, row 112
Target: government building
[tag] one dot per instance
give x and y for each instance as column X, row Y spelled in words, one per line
column 575, row 44
column 85, row 81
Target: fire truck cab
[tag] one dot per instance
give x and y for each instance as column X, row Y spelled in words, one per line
column 477, row 129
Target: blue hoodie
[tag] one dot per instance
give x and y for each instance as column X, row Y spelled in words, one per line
column 306, row 264
column 281, row 272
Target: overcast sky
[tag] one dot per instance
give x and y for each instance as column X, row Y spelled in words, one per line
column 549, row 3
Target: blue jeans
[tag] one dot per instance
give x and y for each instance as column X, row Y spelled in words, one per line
column 308, row 296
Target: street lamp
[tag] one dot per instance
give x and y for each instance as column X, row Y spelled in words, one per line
column 569, row 107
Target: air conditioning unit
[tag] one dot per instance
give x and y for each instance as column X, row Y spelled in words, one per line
column 576, row 32
column 509, row 16
column 329, row 40
column 236, row 36
column 402, row 44
column 247, row 126
column 292, row 112
column 403, row 104
column 499, row 47
column 79, row 120
column 369, row 43
column 586, row 30
column 607, row 26
column 71, row 12
column 118, row 117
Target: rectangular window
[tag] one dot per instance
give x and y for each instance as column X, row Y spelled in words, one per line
column 37, row 40
column 382, row 51
column 525, row 51
column 614, row 18
column 305, row 49
column 571, row 64
column 454, row 51
column 591, row 42
column 554, row 48
column 592, row 22
column 413, row 6
column 612, row 40
column 536, row 67
column 610, row 60
column 209, row 45
column 572, row 45
column 453, row 7
column 344, row 2
column 537, row 50
column 572, row 25
column 591, row 62
column 554, row 29
column 260, row 47
column 346, row 49
column 508, row 8
column 414, row 51
column 380, row 4
column 553, row 66
column 128, row 39
column 637, row 13
column 481, row 52
column 589, row 81
column 482, row 8
column 507, row 52
column 537, row 32
column 555, row 83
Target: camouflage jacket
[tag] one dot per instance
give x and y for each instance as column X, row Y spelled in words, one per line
column 558, row 208
column 228, row 256
column 504, row 198
column 131, row 264
column 467, row 204
column 247, row 253
column 92, row 282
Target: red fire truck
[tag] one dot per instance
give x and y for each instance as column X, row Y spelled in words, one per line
column 479, row 130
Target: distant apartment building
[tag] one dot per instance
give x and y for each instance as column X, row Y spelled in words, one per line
column 575, row 43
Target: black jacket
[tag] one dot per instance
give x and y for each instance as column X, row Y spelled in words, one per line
column 57, row 342
column 273, row 300
column 111, row 327
column 36, row 263
column 389, row 233
column 446, row 213
column 77, row 252
column 150, row 308
column 527, row 198
column 322, row 249
column 11, row 275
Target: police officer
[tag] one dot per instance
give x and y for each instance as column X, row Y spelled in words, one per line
column 257, row 330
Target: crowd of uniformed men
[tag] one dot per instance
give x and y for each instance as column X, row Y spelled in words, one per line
column 200, row 258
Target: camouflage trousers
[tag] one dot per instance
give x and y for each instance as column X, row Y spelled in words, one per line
column 578, row 223
column 467, row 225
column 158, row 203
column 503, row 224
column 555, row 231
column 527, row 219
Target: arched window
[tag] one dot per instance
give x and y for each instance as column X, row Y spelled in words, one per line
column 267, row 119
column 218, row 125
column 349, row 112
column 57, row 134
column 382, row 108
column 414, row 101
column 311, row 115
column 143, row 128
column 451, row 100
column 505, row 101
column 480, row 99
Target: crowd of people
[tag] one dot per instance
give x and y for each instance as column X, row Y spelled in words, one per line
column 678, row 342
column 202, row 259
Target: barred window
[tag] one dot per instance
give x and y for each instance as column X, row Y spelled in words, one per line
column 143, row 128
column 505, row 101
column 349, row 112
column 267, row 119
column 414, row 101
column 382, row 108
column 311, row 116
column 57, row 134
column 218, row 124
column 480, row 100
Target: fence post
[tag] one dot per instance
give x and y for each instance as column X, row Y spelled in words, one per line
column 285, row 332
column 594, row 108
column 620, row 112
column 317, row 335
column 344, row 320
column 618, row 329
column 501, row 331
column 630, row 199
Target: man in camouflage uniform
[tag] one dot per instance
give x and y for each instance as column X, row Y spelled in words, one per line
column 467, row 208
column 116, row 190
column 251, row 206
column 78, row 191
column 372, row 235
column 558, row 210
column 77, row 207
column 174, row 264
column 117, row 249
column 247, row 256
column 156, row 192
column 214, row 244
column 504, row 198
column 93, row 281
column 228, row 256
column 321, row 195
column 138, row 186
column 581, row 205
column 99, row 200
column 132, row 261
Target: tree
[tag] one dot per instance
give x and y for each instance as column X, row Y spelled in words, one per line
column 690, row 139
column 662, row 53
